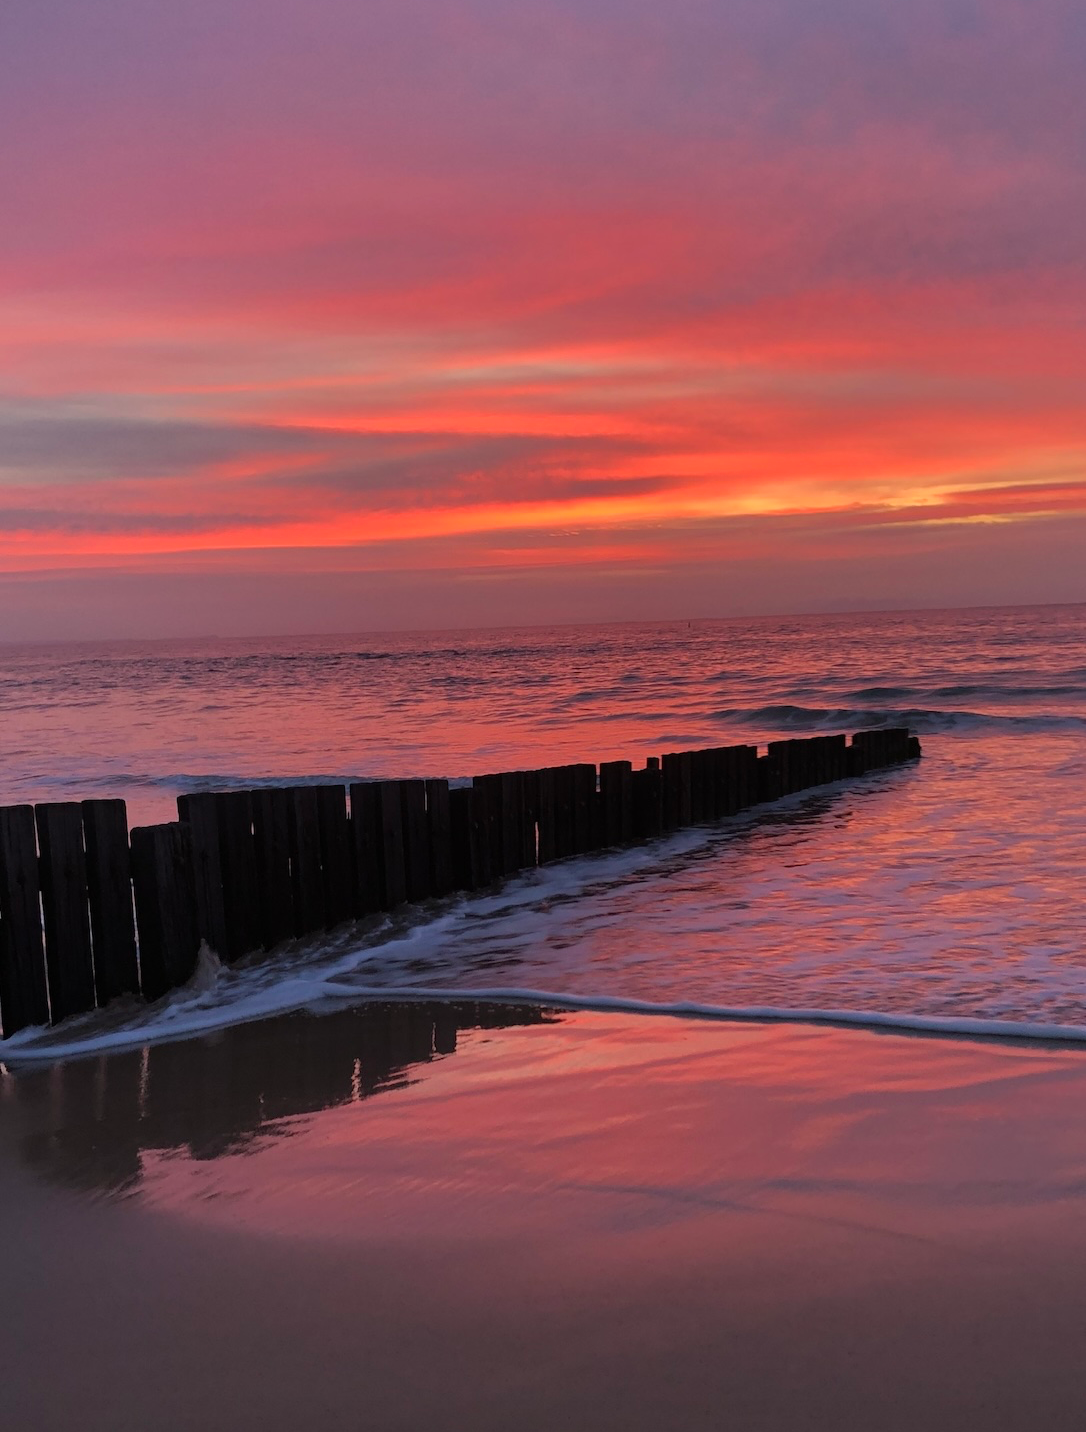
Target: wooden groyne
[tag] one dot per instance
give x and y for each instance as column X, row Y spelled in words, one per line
column 89, row 912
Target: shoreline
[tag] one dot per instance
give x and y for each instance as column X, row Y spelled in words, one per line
column 43, row 1046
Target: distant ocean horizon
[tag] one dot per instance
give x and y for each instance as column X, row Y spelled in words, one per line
column 430, row 629
column 949, row 890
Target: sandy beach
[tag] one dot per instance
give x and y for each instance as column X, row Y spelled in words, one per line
column 391, row 1218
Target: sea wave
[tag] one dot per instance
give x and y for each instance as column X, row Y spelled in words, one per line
column 920, row 719
column 187, row 1015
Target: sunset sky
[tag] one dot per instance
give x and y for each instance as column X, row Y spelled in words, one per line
column 374, row 313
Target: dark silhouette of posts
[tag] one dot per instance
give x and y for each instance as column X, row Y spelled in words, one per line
column 66, row 910
column 377, row 823
column 418, row 882
column 249, row 869
column 439, row 836
column 337, row 855
column 307, row 877
column 23, row 997
column 271, row 840
column 109, row 889
column 470, row 838
column 200, row 814
column 616, row 802
column 366, row 838
column 166, row 906
column 546, row 807
column 238, row 866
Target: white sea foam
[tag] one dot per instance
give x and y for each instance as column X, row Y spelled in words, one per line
column 187, row 1016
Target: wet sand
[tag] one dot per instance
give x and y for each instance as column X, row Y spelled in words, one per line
column 394, row 1218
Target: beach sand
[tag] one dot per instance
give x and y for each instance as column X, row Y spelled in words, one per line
column 576, row 1221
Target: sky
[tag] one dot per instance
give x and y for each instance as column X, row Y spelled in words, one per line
column 320, row 315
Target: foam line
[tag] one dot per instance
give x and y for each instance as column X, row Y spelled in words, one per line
column 304, row 994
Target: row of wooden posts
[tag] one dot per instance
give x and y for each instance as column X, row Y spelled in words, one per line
column 89, row 912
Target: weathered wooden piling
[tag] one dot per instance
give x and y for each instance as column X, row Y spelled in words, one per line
column 307, row 877
column 470, row 838
column 246, row 870
column 418, row 884
column 586, row 824
column 240, row 886
column 648, row 800
column 200, row 813
column 23, row 995
column 562, row 841
column 163, row 880
column 366, row 837
column 337, row 856
column 393, row 861
column 439, row 836
column 69, row 965
column 109, row 892
column 616, row 802
column 271, row 839
column 546, row 818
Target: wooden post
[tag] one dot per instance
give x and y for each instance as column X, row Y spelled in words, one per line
column 727, row 801
column 678, row 770
column 337, row 856
column 547, row 814
column 699, row 787
column 307, row 878
column 464, row 873
column 166, row 906
column 686, row 787
column 565, row 811
column 649, row 800
column 23, row 997
column 838, row 757
column 747, row 757
column 711, row 784
column 200, row 814
column 69, row 964
column 439, row 833
column 806, row 759
column 820, row 761
column 366, row 832
column 672, row 796
column 586, row 823
column 271, row 836
column 240, row 888
column 616, row 801
column 418, row 882
column 393, row 871
column 897, row 738
column 511, row 787
column 785, row 758
column 855, row 757
column 770, row 777
column 489, row 810
column 530, row 828
column 109, row 888
column 470, row 837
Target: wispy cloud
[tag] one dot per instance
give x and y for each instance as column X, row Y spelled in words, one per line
column 476, row 277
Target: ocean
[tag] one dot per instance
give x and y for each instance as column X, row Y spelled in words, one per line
column 946, row 894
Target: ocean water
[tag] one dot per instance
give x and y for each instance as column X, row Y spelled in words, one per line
column 947, row 894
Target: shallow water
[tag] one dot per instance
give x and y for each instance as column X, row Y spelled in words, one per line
column 411, row 1216
column 950, row 889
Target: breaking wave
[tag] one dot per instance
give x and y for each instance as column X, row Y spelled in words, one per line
column 919, row 719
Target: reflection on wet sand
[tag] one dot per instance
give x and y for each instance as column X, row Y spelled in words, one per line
column 86, row 1123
